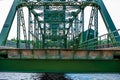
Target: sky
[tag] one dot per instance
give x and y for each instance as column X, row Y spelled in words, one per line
column 111, row 5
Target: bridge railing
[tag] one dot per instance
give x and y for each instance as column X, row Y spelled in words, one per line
column 103, row 41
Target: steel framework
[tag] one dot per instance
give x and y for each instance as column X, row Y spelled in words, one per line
column 56, row 40
column 57, row 24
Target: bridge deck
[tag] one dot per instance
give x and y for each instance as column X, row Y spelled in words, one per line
column 59, row 53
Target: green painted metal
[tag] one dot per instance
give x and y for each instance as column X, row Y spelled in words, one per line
column 102, row 41
column 21, row 26
column 18, row 28
column 58, row 3
column 61, row 66
column 108, row 22
column 7, row 25
column 54, row 18
column 55, row 31
column 54, row 38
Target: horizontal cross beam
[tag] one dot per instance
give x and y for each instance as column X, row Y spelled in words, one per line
column 60, row 66
column 61, row 3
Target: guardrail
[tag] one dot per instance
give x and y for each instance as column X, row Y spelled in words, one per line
column 103, row 41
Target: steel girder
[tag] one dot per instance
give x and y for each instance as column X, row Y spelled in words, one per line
column 109, row 23
column 8, row 23
column 60, row 66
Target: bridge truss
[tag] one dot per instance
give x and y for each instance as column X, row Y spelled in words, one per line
column 59, row 26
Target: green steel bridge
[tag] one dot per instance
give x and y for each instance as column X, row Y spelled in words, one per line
column 55, row 39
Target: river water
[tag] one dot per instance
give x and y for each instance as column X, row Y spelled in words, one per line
column 29, row 76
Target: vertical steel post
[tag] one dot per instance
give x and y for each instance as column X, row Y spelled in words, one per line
column 96, row 27
column 44, row 29
column 35, row 33
column 75, row 26
column 40, row 33
column 30, row 29
column 23, row 25
column 18, row 28
column 96, row 22
column 90, row 25
column 64, row 30
column 82, row 26
column 36, row 28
